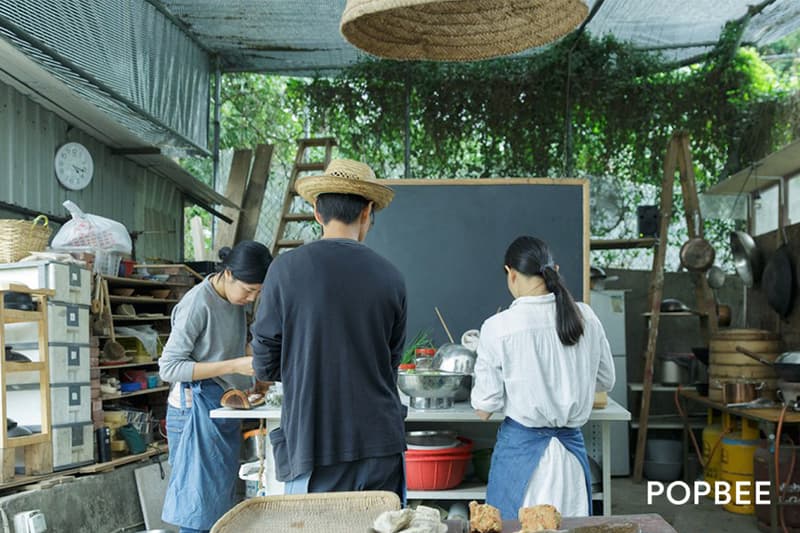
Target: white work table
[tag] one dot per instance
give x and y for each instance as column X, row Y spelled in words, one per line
column 460, row 412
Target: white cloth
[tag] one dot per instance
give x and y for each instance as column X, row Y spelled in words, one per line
column 523, row 369
column 558, row 480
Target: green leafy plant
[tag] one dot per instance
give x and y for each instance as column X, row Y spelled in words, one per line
column 423, row 339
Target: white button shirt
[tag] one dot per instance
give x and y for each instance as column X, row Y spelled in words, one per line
column 523, row 369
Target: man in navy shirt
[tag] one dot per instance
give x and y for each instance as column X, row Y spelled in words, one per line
column 331, row 327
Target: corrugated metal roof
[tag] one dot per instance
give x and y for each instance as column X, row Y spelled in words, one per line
column 301, row 37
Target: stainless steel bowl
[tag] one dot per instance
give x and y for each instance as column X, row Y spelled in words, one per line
column 430, row 389
column 465, row 390
column 454, row 358
column 432, row 438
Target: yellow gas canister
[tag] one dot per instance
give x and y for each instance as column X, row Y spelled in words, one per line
column 736, row 465
column 712, row 443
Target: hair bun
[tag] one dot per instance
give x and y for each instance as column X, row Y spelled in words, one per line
column 224, row 252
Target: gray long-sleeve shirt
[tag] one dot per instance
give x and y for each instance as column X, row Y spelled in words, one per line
column 331, row 326
column 205, row 328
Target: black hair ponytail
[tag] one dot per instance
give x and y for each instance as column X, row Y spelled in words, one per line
column 531, row 256
column 248, row 261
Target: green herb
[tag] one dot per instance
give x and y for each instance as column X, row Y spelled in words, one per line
column 422, row 340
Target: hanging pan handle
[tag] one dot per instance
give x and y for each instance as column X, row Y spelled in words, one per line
column 754, row 355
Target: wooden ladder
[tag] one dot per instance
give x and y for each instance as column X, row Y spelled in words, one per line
column 300, row 165
column 678, row 158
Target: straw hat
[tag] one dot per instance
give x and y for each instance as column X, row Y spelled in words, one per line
column 456, row 30
column 345, row 176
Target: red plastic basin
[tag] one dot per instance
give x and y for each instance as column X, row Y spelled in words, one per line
column 437, row 469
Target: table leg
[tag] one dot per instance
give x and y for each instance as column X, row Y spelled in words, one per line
column 606, row 435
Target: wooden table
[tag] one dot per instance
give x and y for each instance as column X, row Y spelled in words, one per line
column 648, row 523
column 767, row 419
column 460, row 412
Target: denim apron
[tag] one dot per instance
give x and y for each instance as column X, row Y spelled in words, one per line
column 517, row 454
column 205, row 461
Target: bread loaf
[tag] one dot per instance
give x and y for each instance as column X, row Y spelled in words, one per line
column 539, row 518
column 484, row 518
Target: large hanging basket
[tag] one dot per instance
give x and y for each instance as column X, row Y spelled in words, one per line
column 18, row 238
column 456, row 30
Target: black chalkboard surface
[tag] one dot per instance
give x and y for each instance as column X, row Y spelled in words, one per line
column 448, row 238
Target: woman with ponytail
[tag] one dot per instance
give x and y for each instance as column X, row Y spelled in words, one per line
column 205, row 355
column 540, row 361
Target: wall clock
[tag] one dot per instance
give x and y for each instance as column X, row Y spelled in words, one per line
column 74, row 166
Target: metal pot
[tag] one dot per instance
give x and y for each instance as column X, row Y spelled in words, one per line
column 673, row 305
column 715, row 277
column 747, row 257
column 723, row 315
column 453, row 357
column 741, row 392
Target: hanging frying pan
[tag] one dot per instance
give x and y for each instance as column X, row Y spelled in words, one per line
column 746, row 257
column 777, row 281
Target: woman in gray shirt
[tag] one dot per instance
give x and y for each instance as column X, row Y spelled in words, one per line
column 204, row 356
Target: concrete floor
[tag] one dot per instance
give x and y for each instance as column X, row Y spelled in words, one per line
column 631, row 498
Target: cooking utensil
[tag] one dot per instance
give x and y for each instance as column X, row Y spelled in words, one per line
column 778, row 278
column 454, row 358
column 673, row 305
column 723, row 315
column 741, row 392
column 431, row 389
column 715, row 277
column 697, row 254
column 787, row 365
column 432, row 438
column 444, row 325
column 747, row 258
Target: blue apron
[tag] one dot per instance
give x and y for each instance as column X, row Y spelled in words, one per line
column 517, row 454
column 205, row 462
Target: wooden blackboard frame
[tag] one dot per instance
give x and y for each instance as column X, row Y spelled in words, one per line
column 577, row 203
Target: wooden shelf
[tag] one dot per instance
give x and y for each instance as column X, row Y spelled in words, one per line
column 135, row 393
column 465, row 491
column 125, row 365
column 17, row 366
column 657, row 387
column 620, row 244
column 126, row 318
column 671, row 422
column 677, row 314
column 116, row 281
column 13, row 316
column 141, row 300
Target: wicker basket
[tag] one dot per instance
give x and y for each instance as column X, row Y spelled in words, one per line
column 18, row 238
column 334, row 512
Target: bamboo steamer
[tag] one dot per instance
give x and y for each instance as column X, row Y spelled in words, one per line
column 727, row 365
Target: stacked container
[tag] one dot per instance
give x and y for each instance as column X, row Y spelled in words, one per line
column 69, row 358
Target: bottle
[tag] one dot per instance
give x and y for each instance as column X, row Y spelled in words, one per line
column 103, row 436
column 424, row 358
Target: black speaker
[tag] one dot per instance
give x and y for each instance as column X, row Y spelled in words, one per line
column 649, row 220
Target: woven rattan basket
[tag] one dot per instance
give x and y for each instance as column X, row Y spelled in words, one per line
column 456, row 30
column 18, row 238
column 335, row 512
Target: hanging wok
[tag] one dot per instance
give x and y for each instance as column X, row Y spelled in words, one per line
column 697, row 254
column 746, row 258
column 787, row 365
column 778, row 279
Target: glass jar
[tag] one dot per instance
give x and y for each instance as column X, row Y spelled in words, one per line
column 423, row 357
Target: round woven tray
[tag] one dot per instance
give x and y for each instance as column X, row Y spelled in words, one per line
column 335, row 512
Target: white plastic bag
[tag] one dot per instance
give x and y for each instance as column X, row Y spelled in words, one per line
column 86, row 231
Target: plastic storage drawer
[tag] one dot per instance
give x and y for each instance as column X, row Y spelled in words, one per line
column 66, row 324
column 73, row 445
column 72, row 283
column 69, row 363
column 69, row 404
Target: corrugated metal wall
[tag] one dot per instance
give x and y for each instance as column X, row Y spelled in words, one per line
column 121, row 190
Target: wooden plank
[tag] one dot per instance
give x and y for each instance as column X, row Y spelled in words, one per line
column 198, row 239
column 318, row 141
column 39, row 458
column 299, row 217
column 254, row 197
column 289, row 244
column 128, row 459
column 308, row 167
column 234, row 191
column 656, row 293
column 622, row 244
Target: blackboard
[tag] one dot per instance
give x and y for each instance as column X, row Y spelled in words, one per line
column 448, row 238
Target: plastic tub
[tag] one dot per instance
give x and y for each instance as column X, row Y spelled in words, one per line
column 438, row 469
column 130, row 387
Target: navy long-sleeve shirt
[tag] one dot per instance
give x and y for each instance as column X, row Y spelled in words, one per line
column 331, row 327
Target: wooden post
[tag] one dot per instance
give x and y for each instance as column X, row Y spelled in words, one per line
column 254, row 197
column 234, row 191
